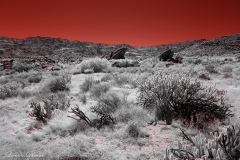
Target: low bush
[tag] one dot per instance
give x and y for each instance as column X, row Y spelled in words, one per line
column 35, row 78
column 98, row 89
column 203, row 75
column 174, row 96
column 83, row 98
column 57, row 84
column 10, row 89
column 50, row 104
column 106, row 77
column 22, row 67
column 87, row 84
column 227, row 69
column 94, row 64
column 210, row 69
column 121, row 80
column 133, row 130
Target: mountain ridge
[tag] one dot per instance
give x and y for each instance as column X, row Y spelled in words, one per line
column 47, row 46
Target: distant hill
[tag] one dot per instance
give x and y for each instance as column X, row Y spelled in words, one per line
column 55, row 47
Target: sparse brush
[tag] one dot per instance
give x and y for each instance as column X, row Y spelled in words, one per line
column 57, row 84
column 99, row 89
column 106, row 77
column 203, row 75
column 111, row 99
column 42, row 113
column 10, row 89
column 210, row 69
column 35, row 78
column 174, row 95
column 95, row 64
column 227, row 69
column 83, row 98
column 87, row 84
column 22, row 67
column 120, row 80
column 133, row 130
column 227, row 75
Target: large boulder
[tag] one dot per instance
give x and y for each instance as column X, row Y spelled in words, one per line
column 164, row 56
column 117, row 54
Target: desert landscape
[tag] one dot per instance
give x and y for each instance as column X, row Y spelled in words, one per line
column 72, row 100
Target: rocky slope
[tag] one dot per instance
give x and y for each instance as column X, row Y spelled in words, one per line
column 56, row 47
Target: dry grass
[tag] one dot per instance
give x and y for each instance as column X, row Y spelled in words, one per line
column 130, row 138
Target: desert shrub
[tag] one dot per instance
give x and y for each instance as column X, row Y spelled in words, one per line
column 50, row 104
column 98, row 89
column 111, row 99
column 129, row 112
column 10, row 89
column 174, row 95
column 133, row 130
column 107, row 104
column 22, row 67
column 120, row 80
column 210, row 69
column 217, row 146
column 227, row 69
column 227, row 75
column 124, row 63
column 95, row 64
column 83, row 98
column 87, row 84
column 193, row 61
column 203, row 75
column 57, row 84
column 35, row 78
column 106, row 77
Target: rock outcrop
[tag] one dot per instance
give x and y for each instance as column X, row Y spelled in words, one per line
column 7, row 63
column 164, row 56
column 118, row 54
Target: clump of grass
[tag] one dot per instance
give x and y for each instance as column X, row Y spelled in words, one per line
column 106, row 77
column 203, row 75
column 111, row 99
column 98, row 89
column 87, row 84
column 133, row 130
column 83, row 98
column 210, row 69
column 10, row 89
column 95, row 64
column 107, row 104
column 121, row 80
column 227, row 69
column 129, row 112
column 227, row 75
column 37, row 137
column 35, row 78
column 56, row 84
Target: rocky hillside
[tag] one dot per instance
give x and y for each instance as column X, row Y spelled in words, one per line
column 56, row 47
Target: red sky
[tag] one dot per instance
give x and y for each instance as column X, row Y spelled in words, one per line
column 135, row 22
